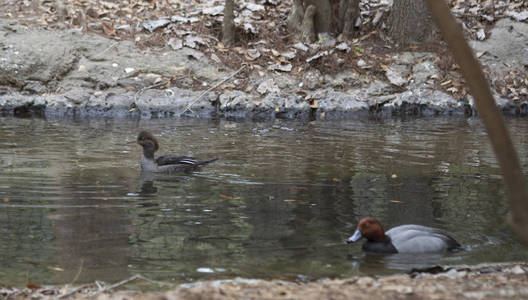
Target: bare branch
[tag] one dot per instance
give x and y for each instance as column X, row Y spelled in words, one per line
column 210, row 89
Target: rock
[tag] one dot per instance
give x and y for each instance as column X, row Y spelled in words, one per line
column 343, row 47
column 312, row 79
column 342, row 79
column 77, row 96
column 410, row 58
column 517, row 270
column 344, row 102
column 481, row 35
column 363, row 64
column 401, row 289
column 518, row 16
column 378, row 88
column 280, row 67
column 35, row 87
column 503, row 46
column 395, row 77
column 325, row 40
column 268, row 86
column 423, row 71
column 365, row 281
column 430, row 100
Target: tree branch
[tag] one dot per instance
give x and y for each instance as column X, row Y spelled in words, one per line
column 210, row 89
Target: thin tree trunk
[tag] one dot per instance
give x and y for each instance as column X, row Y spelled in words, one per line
column 490, row 115
column 228, row 30
column 410, row 22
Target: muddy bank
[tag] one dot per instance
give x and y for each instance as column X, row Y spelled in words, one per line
column 486, row 281
column 66, row 73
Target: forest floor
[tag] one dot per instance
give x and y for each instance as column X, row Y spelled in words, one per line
column 103, row 55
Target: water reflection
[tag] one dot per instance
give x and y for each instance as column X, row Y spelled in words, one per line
column 279, row 203
column 370, row 263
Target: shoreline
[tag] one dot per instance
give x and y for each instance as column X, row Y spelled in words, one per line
column 482, row 281
column 69, row 73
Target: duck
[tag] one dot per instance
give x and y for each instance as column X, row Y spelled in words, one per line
column 164, row 163
column 402, row 239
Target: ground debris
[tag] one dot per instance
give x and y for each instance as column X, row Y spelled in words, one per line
column 485, row 281
column 163, row 25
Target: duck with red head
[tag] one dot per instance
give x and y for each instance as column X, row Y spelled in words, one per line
column 164, row 163
column 402, row 239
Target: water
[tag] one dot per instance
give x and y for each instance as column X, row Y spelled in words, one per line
column 279, row 203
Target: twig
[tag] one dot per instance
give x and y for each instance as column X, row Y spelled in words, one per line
column 152, row 281
column 210, row 89
column 75, row 290
column 125, row 281
column 78, row 272
column 102, row 52
column 110, row 287
column 149, row 87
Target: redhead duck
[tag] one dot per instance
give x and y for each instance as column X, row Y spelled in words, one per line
column 165, row 163
column 402, row 239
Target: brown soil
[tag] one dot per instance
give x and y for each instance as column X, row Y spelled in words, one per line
column 122, row 20
column 491, row 281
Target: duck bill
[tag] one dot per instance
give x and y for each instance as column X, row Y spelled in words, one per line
column 355, row 237
column 131, row 142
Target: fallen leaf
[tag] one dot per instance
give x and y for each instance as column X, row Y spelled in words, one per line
column 252, row 54
column 214, row 11
column 226, row 197
column 281, row 67
column 33, row 286
column 58, row 269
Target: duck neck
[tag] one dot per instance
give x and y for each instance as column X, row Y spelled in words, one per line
column 148, row 151
column 147, row 159
column 379, row 237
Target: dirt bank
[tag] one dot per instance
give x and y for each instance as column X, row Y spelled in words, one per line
column 487, row 281
column 70, row 72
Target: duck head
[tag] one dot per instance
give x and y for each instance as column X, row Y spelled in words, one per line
column 149, row 143
column 369, row 228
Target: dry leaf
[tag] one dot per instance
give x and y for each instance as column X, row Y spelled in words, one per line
column 226, row 197
column 58, row 269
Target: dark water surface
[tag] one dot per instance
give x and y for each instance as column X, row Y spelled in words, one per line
column 278, row 204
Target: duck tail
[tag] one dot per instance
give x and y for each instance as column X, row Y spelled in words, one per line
column 205, row 162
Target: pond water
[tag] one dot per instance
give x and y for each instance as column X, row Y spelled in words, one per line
column 279, row 203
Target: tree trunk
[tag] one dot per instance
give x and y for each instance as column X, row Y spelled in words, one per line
column 348, row 13
column 410, row 22
column 308, row 18
column 228, row 29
